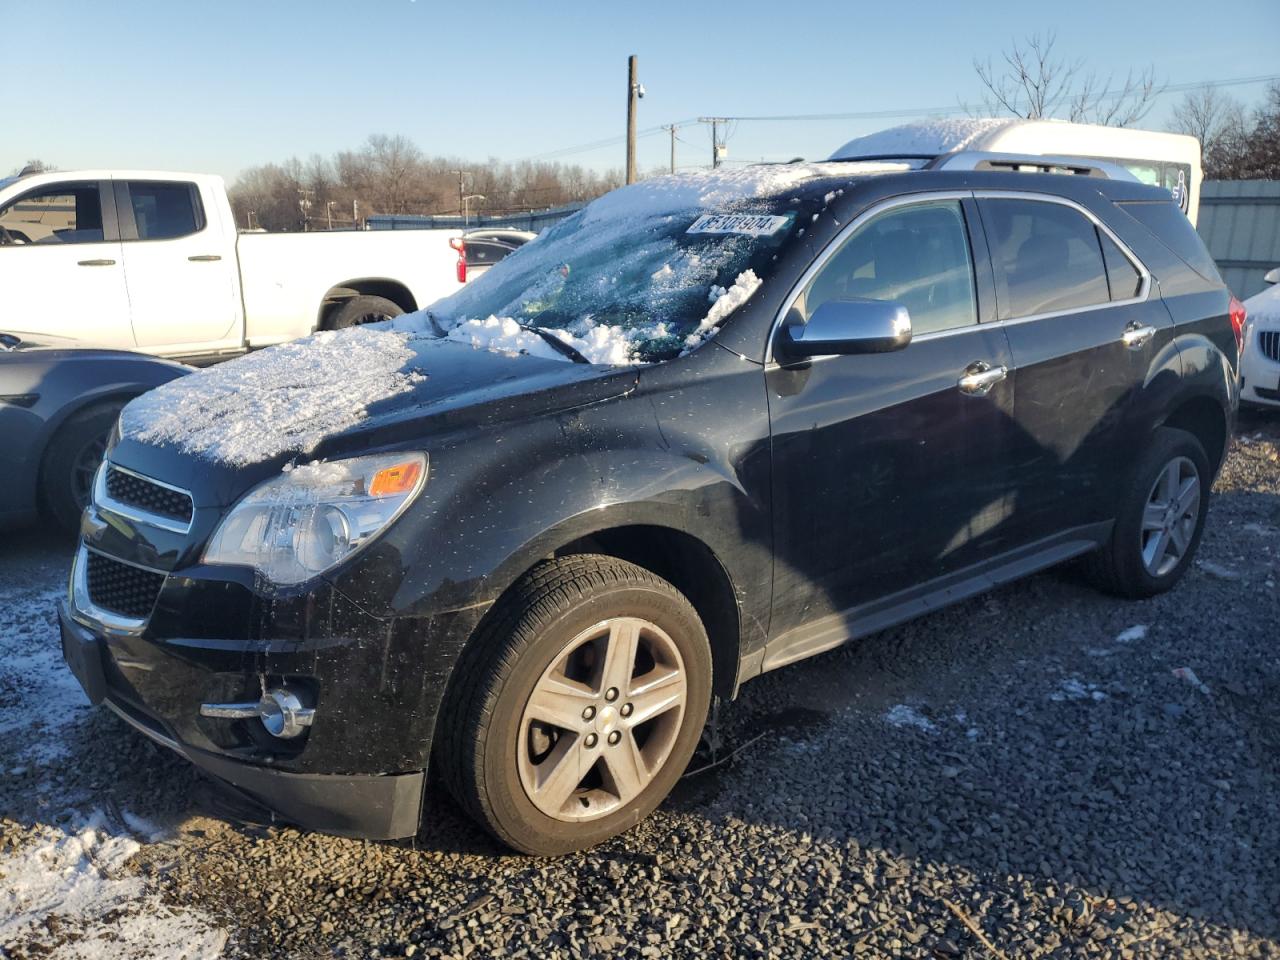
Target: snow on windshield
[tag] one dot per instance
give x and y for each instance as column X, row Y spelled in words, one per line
column 633, row 277
column 921, row 139
column 285, row 399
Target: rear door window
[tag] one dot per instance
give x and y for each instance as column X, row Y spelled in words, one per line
column 485, row 252
column 65, row 213
column 1122, row 276
column 1046, row 257
column 164, row 211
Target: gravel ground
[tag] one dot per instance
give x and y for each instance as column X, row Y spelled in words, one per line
column 1041, row 771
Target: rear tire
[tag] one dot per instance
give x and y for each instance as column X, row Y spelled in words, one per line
column 70, row 461
column 615, row 747
column 1155, row 536
column 358, row 310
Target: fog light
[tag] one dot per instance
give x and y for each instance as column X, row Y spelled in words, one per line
column 283, row 714
column 280, row 710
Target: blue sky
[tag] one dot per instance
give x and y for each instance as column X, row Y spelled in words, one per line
column 221, row 86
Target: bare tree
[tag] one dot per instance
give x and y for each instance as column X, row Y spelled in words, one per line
column 33, row 166
column 1218, row 121
column 1034, row 82
column 390, row 174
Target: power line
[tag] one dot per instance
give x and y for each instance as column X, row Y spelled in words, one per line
column 901, row 113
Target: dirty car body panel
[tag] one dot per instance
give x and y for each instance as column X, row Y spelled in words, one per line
column 831, row 497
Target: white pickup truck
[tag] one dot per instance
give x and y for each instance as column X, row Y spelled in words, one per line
column 152, row 261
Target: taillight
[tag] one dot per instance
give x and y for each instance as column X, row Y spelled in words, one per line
column 1238, row 314
column 460, row 245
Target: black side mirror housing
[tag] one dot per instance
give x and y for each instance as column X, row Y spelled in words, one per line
column 848, row 326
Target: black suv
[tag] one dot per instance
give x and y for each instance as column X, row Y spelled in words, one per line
column 705, row 427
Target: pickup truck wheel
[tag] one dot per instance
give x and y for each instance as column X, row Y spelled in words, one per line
column 358, row 310
column 576, row 710
column 71, row 460
column 1160, row 520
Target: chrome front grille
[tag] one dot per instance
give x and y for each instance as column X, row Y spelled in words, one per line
column 121, row 588
column 1269, row 344
column 140, row 498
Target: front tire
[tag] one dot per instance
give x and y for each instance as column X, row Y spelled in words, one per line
column 71, row 460
column 1160, row 520
column 575, row 711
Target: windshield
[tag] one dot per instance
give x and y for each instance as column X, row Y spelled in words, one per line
column 643, row 274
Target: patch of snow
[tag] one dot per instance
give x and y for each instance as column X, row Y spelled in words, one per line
column 1189, row 675
column 1264, row 308
column 929, row 138
column 726, row 301
column 599, row 343
column 32, row 673
column 1218, row 571
column 78, row 875
column 1073, row 688
column 284, row 399
column 905, row 715
column 75, row 872
column 1137, row 632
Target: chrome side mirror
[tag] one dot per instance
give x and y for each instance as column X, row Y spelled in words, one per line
column 1272, row 275
column 848, row 326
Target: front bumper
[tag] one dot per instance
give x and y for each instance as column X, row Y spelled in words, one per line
column 373, row 806
column 1259, row 374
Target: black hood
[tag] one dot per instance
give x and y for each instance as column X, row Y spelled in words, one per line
column 459, row 387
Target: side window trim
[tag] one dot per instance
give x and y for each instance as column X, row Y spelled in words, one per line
column 837, row 242
column 106, row 204
column 129, row 224
column 984, row 271
column 1144, row 289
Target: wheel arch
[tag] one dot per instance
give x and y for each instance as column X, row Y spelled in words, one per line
column 693, row 568
column 53, row 430
column 1205, row 419
column 680, row 557
column 393, row 290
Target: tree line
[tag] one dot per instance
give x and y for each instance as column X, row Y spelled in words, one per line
column 390, row 174
column 1236, row 143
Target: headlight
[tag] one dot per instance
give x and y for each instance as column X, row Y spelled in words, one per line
column 313, row 517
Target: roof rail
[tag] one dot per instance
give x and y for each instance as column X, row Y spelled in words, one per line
column 1030, row 163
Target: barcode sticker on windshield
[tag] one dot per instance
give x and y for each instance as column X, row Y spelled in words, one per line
column 753, row 225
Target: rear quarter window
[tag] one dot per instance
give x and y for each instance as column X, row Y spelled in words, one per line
column 1171, row 226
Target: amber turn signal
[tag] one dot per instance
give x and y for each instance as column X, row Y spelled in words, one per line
column 395, row 480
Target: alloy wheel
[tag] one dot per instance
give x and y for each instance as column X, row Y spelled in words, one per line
column 1170, row 517
column 601, row 720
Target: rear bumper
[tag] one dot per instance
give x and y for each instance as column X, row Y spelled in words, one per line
column 373, row 806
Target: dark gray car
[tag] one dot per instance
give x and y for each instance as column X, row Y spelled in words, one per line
column 58, row 403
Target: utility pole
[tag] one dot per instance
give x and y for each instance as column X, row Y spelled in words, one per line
column 462, row 189
column 716, row 146
column 672, row 130
column 634, row 92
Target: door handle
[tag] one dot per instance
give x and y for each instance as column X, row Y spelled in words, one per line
column 979, row 377
column 204, row 258
column 95, row 263
column 1136, row 335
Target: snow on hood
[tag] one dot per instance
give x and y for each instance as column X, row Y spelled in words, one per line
column 285, row 399
column 922, row 139
column 1264, row 308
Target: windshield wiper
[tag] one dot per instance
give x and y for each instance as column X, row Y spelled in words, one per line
column 556, row 344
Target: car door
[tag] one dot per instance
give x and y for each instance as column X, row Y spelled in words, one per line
column 889, row 469
column 61, row 265
column 1084, row 337
column 179, row 268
